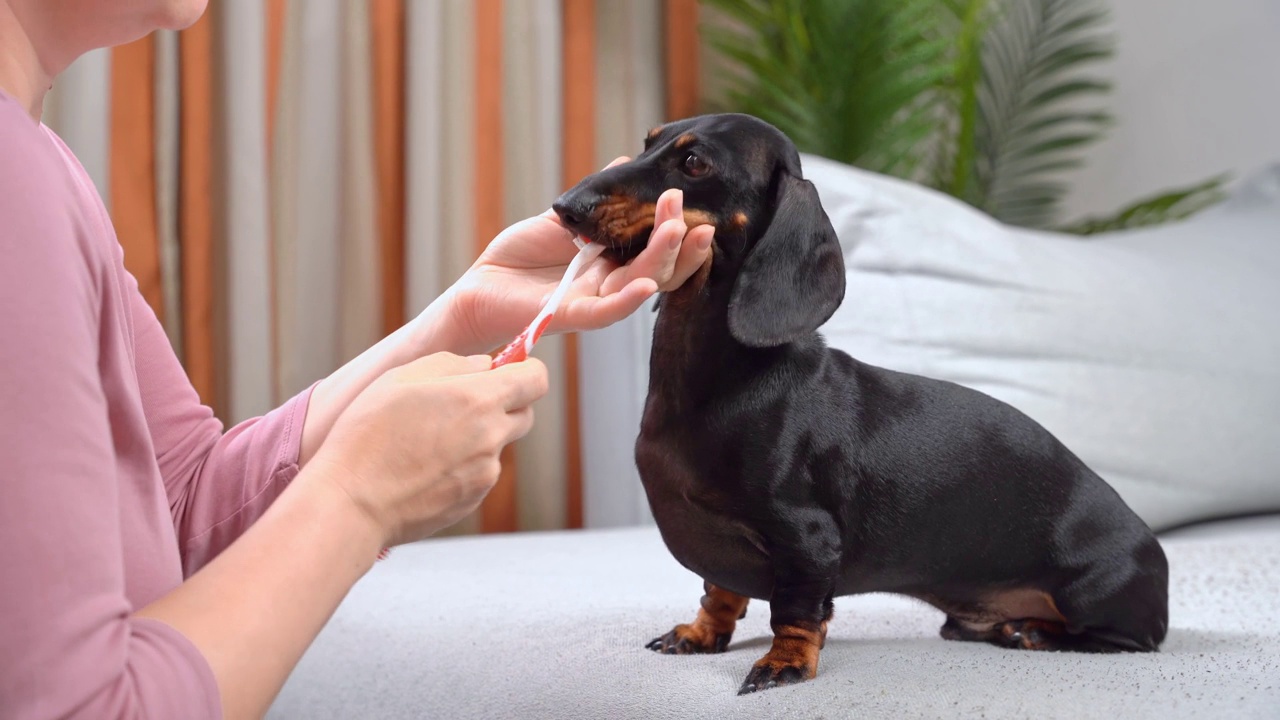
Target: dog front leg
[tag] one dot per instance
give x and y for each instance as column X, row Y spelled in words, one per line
column 711, row 631
column 800, row 609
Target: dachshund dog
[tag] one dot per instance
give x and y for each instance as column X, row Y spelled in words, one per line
column 780, row 469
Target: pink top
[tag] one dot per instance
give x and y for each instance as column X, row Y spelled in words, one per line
column 115, row 482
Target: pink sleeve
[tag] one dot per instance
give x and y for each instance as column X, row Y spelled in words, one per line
column 218, row 483
column 68, row 645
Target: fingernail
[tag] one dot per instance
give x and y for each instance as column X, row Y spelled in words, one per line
column 704, row 242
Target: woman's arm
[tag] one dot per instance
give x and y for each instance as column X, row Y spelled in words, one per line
column 219, row 483
column 69, row 647
column 255, row 608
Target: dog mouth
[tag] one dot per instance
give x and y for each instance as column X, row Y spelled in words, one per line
column 624, row 226
column 623, row 250
column 626, row 252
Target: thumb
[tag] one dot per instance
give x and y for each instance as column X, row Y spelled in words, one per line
column 519, row 384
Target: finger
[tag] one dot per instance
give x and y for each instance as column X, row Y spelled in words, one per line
column 447, row 364
column 618, row 161
column 670, row 205
column 692, row 255
column 656, row 262
column 593, row 313
column 657, row 259
column 519, row 384
column 519, row 423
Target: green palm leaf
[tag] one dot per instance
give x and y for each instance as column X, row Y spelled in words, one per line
column 1037, row 105
column 1158, row 209
column 851, row 80
column 957, row 173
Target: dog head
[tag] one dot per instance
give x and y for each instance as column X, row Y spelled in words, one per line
column 743, row 176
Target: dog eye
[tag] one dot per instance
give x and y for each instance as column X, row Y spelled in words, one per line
column 695, row 166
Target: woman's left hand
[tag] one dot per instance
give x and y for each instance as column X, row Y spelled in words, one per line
column 517, row 272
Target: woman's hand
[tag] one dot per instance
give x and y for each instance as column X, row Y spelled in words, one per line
column 508, row 284
column 418, row 449
column 413, row 452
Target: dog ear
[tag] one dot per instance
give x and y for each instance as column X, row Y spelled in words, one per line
column 792, row 280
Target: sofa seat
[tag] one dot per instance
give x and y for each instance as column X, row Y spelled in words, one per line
column 553, row 625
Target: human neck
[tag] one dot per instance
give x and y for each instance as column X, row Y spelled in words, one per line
column 22, row 75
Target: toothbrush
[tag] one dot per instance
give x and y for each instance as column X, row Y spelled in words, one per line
column 519, row 348
column 522, row 345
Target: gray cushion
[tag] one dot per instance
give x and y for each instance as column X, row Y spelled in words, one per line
column 554, row 626
column 1153, row 354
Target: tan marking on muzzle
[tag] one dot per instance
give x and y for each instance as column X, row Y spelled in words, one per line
column 694, row 217
column 621, row 218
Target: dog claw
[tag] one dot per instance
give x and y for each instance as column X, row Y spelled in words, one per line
column 765, row 677
column 684, row 640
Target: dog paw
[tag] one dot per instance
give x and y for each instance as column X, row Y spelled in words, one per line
column 689, row 640
column 1031, row 634
column 769, row 675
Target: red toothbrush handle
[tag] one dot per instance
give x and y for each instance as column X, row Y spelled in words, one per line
column 514, row 351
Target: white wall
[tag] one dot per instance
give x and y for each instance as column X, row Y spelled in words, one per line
column 1197, row 92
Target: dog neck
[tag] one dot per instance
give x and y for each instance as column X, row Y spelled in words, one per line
column 693, row 351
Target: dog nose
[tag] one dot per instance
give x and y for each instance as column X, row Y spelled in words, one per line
column 577, row 210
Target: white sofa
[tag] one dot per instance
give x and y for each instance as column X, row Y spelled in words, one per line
column 1155, row 354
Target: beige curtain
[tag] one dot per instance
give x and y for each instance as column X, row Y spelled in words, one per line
column 168, row 150
column 244, row 231
column 629, row 87
column 326, row 268
column 440, row 57
column 78, row 109
column 532, row 149
column 629, row 101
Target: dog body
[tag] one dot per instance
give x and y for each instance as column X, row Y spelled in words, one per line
column 780, row 469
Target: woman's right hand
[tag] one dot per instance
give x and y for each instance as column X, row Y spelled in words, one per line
column 418, row 449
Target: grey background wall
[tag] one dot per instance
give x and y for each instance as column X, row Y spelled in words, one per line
column 1197, row 92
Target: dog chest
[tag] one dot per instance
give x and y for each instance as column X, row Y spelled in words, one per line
column 697, row 524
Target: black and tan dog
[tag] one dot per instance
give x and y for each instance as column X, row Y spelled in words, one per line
column 780, row 469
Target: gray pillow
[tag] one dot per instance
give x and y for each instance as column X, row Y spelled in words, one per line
column 1154, row 354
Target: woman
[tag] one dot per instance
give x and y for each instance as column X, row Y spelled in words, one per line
column 153, row 565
